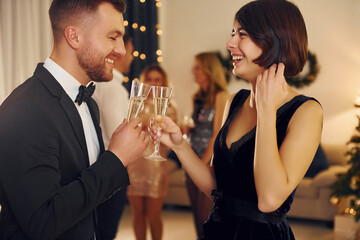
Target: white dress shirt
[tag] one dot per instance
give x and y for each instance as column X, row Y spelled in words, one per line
column 113, row 100
column 71, row 87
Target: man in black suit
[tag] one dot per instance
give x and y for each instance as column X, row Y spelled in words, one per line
column 54, row 172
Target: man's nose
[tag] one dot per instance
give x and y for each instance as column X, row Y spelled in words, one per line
column 120, row 47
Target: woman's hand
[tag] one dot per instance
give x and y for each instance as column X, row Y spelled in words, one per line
column 271, row 89
column 171, row 135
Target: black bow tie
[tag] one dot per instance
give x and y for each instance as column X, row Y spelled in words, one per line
column 85, row 93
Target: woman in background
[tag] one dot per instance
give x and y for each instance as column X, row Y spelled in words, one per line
column 269, row 135
column 149, row 179
column 209, row 103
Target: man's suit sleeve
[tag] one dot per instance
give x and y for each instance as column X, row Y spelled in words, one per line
column 30, row 176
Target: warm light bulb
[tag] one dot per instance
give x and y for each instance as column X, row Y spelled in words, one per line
column 142, row 56
column 135, row 53
column 135, row 25
column 126, row 23
column 159, row 59
column 159, row 52
column 126, row 79
column 159, row 32
column 352, row 211
column 142, row 28
column 158, row 4
column 142, row 1
column 136, row 79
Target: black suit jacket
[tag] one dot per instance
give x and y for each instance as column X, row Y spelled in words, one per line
column 47, row 189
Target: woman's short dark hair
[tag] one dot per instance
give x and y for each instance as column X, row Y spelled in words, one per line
column 278, row 28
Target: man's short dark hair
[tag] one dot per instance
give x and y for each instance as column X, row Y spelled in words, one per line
column 62, row 12
column 278, row 28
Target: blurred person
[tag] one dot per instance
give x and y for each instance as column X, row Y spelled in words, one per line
column 54, row 171
column 208, row 104
column 269, row 134
column 113, row 100
column 149, row 179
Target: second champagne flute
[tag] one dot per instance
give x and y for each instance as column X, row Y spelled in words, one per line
column 161, row 97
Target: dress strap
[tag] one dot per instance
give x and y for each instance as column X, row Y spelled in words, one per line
column 239, row 99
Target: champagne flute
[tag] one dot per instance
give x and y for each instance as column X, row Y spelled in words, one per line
column 138, row 94
column 161, row 97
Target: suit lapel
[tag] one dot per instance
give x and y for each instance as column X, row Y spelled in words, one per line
column 94, row 111
column 76, row 123
column 67, row 104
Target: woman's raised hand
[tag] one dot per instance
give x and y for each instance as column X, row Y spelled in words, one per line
column 271, row 89
column 171, row 134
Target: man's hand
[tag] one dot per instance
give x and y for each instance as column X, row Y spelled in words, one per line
column 128, row 142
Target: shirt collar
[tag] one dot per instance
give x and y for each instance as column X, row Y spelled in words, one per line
column 67, row 82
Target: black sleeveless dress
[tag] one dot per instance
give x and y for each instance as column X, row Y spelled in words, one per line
column 235, row 214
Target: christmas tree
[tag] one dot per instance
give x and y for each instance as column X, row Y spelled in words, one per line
column 348, row 184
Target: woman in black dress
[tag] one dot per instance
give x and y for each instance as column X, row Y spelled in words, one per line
column 269, row 135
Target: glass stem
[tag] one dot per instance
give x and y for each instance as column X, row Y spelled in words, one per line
column 157, row 144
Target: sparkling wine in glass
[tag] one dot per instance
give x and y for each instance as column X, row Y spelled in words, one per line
column 138, row 95
column 161, row 97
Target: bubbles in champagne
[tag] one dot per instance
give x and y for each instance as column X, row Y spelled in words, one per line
column 160, row 105
column 135, row 106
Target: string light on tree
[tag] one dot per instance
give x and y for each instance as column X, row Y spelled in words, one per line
column 159, row 58
column 159, row 32
column 354, row 182
column 352, row 211
column 126, row 79
column 357, row 203
column 142, row 56
column 335, row 200
column 135, row 53
column 143, row 25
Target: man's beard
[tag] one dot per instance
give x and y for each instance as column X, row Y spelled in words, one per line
column 93, row 65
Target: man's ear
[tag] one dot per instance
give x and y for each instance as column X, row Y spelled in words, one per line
column 72, row 36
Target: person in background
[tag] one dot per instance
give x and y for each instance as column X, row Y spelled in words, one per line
column 54, row 171
column 149, row 179
column 113, row 100
column 209, row 103
column 269, row 135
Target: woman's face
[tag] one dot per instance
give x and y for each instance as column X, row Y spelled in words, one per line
column 200, row 76
column 244, row 51
column 154, row 78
